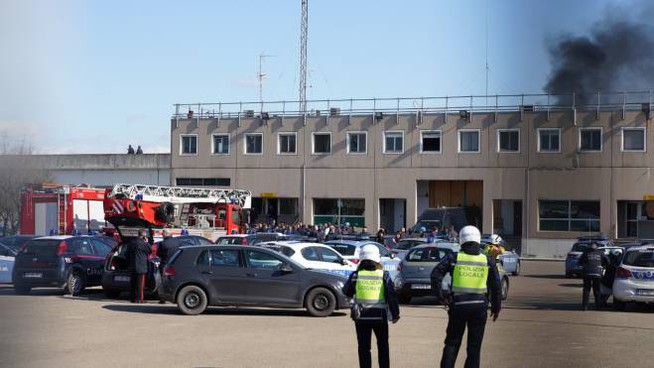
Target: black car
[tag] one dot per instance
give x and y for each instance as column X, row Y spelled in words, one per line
column 68, row 262
column 237, row 275
column 15, row 242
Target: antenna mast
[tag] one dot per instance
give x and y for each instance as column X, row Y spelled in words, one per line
column 261, row 76
column 304, row 27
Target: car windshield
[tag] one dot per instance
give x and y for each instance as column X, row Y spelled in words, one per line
column 580, row 247
column 640, row 258
column 344, row 249
column 427, row 254
column 407, row 244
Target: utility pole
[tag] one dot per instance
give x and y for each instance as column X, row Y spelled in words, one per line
column 304, row 28
column 261, row 76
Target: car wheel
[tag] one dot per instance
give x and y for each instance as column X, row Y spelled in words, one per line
column 517, row 269
column 320, row 302
column 192, row 300
column 111, row 294
column 619, row 305
column 404, row 299
column 505, row 288
column 21, row 289
column 75, row 284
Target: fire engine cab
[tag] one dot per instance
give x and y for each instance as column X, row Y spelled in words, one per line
column 194, row 211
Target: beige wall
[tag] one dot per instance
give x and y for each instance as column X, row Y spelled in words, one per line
column 529, row 175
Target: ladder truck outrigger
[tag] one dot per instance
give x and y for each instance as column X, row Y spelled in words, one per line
column 183, row 210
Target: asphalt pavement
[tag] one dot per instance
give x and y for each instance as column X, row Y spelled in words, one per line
column 541, row 325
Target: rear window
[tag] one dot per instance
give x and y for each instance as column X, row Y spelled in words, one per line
column 344, row 249
column 639, row 258
column 45, row 247
column 406, row 244
column 427, row 254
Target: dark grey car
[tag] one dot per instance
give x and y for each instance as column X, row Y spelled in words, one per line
column 236, row 275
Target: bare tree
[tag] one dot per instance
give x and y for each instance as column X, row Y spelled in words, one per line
column 16, row 171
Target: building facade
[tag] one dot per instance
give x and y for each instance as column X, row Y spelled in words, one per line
column 543, row 173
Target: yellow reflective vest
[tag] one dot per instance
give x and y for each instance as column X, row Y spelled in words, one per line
column 470, row 274
column 369, row 291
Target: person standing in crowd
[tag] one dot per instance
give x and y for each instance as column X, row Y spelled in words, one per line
column 592, row 261
column 375, row 303
column 166, row 249
column 139, row 151
column 474, row 277
column 130, row 150
column 138, row 251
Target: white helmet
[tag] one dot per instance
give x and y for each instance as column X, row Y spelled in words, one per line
column 469, row 234
column 370, row 252
column 495, row 239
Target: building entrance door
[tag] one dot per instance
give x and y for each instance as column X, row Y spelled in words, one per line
column 392, row 214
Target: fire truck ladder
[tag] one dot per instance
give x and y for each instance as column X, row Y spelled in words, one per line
column 161, row 193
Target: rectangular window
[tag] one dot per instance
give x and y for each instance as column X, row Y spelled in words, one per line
column 581, row 216
column 220, row 144
column 288, row 206
column 188, row 144
column 357, row 142
column 339, row 211
column 254, row 144
column 394, row 142
column 469, row 141
column 590, row 140
column 633, row 139
column 430, row 141
column 204, row 182
column 549, row 140
column 287, row 143
column 322, row 143
column 508, row 140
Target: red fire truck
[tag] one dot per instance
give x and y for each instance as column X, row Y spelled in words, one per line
column 52, row 208
column 194, row 211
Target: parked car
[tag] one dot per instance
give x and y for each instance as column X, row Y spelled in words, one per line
column 572, row 266
column 248, row 239
column 634, row 278
column 193, row 240
column 116, row 276
column 414, row 279
column 7, row 259
column 403, row 246
column 350, row 250
column 71, row 262
column 313, row 255
column 200, row 276
column 510, row 260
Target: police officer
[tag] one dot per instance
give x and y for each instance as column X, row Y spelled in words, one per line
column 138, row 251
column 166, row 249
column 474, row 276
column 592, row 261
column 375, row 303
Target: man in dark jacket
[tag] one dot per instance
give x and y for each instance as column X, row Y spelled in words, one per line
column 165, row 251
column 138, row 250
column 375, row 303
column 474, row 276
column 593, row 261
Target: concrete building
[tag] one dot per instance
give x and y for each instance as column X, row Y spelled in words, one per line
column 97, row 169
column 537, row 171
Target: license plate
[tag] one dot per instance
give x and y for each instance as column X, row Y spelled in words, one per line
column 33, row 275
column 645, row 292
column 122, row 278
column 420, row 286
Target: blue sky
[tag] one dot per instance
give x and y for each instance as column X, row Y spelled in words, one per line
column 92, row 76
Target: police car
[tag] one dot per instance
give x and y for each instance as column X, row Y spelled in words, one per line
column 634, row 278
column 313, row 255
column 350, row 249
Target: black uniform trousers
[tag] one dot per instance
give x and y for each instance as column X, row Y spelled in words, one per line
column 364, row 337
column 474, row 317
column 594, row 283
column 137, row 290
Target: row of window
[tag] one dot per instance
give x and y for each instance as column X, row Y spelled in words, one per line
column 469, row 141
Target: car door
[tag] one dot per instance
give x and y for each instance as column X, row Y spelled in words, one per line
column 86, row 259
column 266, row 283
column 311, row 258
column 334, row 262
column 223, row 271
column 7, row 257
column 388, row 260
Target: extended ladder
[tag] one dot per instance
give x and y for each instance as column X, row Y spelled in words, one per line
column 160, row 193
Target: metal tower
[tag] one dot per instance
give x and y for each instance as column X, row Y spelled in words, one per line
column 303, row 55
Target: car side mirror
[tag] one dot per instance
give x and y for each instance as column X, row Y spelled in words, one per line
column 344, row 262
column 284, row 267
column 391, row 255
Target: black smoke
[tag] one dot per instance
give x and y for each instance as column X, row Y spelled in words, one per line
column 616, row 56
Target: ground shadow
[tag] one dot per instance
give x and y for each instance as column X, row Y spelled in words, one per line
column 226, row 311
column 544, row 276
